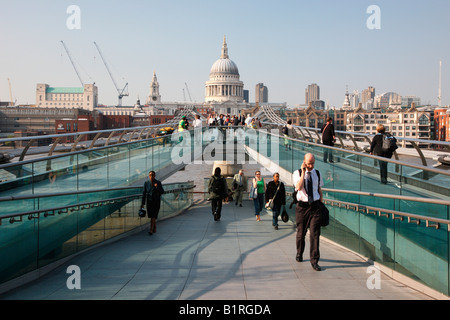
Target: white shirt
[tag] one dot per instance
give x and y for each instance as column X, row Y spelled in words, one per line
column 302, row 195
column 197, row 123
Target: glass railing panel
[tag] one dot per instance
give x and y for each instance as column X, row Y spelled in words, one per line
column 138, row 161
column 93, row 170
column 18, row 248
column 55, row 175
column 118, row 166
column 344, row 228
column 422, row 253
column 55, row 234
column 16, row 180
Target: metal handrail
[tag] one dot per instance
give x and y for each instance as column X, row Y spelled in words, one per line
column 23, row 162
column 445, row 143
column 12, row 198
column 389, row 196
column 60, row 210
column 30, row 213
column 398, row 162
column 396, row 215
column 78, row 133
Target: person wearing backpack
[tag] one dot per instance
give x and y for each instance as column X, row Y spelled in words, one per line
column 377, row 149
column 218, row 190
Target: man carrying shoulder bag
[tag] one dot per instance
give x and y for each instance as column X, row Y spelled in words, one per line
column 308, row 183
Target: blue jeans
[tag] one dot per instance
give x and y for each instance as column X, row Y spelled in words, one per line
column 259, row 203
column 276, row 211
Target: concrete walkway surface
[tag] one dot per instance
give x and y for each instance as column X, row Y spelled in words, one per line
column 193, row 257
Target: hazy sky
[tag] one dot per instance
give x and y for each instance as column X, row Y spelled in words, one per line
column 284, row 44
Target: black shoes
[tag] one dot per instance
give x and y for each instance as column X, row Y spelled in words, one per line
column 315, row 266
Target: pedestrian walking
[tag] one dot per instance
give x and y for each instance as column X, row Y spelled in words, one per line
column 308, row 184
column 275, row 198
column 328, row 139
column 287, row 132
column 376, row 148
column 218, row 190
column 258, row 202
column 153, row 191
column 239, row 186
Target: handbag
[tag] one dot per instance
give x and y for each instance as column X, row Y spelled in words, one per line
column 270, row 203
column 324, row 215
column 284, row 215
column 142, row 213
column 253, row 193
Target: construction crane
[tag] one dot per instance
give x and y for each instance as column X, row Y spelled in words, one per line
column 189, row 94
column 122, row 92
column 73, row 64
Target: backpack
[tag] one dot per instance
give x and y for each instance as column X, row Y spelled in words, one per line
column 285, row 130
column 389, row 143
column 217, row 186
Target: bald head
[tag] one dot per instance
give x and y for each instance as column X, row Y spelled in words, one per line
column 309, row 161
column 309, row 157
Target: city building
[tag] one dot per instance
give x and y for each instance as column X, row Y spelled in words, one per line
column 261, row 93
column 35, row 120
column 312, row 93
column 407, row 101
column 55, row 97
column 442, row 124
column 307, row 117
column 388, row 100
column 415, row 123
column 368, row 98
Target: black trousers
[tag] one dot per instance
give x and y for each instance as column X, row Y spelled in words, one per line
column 216, row 206
column 328, row 153
column 383, row 171
column 308, row 216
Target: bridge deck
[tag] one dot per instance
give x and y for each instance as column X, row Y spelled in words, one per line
column 192, row 257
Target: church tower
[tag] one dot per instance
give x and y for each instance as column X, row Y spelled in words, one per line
column 154, row 96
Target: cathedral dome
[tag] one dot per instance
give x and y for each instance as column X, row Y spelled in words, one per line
column 224, row 66
column 224, row 83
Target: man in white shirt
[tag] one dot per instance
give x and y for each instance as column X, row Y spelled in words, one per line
column 197, row 122
column 197, row 129
column 307, row 212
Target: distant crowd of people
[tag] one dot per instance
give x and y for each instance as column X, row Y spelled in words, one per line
column 233, row 120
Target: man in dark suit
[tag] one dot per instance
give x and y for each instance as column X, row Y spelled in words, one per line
column 376, row 148
column 328, row 138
